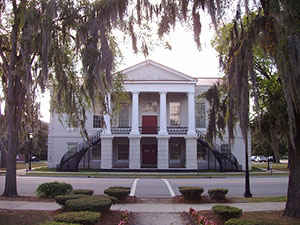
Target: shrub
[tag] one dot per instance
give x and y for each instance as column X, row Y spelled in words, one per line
column 52, row 189
column 83, row 192
column 118, row 192
column 58, row 223
column 90, row 203
column 235, row 221
column 227, row 212
column 83, row 217
column 217, row 194
column 61, row 199
column 191, row 193
column 113, row 199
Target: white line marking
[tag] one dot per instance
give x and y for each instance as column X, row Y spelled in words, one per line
column 133, row 187
column 169, row 187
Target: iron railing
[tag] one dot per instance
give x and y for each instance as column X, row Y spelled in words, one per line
column 120, row 130
column 173, row 130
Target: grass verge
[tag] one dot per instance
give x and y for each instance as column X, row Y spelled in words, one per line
column 259, row 199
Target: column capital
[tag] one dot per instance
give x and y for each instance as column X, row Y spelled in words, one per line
column 162, row 92
column 135, row 92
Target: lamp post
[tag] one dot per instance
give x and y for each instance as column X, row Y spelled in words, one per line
column 30, row 136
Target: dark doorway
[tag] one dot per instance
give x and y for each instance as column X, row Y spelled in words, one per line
column 149, row 152
column 149, row 125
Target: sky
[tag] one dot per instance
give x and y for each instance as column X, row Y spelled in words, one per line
column 184, row 57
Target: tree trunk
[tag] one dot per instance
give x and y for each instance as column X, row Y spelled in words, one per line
column 13, row 139
column 275, row 144
column 292, row 207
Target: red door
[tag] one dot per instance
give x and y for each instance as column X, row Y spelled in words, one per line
column 149, row 154
column 149, row 125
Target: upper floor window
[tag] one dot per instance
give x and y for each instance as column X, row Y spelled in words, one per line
column 200, row 115
column 124, row 116
column 174, row 113
column 98, row 121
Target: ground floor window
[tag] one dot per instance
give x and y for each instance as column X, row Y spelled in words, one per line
column 225, row 148
column 175, row 151
column 201, row 153
column 123, row 152
column 96, row 152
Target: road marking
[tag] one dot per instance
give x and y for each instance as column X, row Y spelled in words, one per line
column 169, row 187
column 133, row 187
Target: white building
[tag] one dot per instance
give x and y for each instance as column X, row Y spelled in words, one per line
column 157, row 128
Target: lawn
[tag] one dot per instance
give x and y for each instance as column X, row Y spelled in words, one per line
column 22, row 165
column 275, row 166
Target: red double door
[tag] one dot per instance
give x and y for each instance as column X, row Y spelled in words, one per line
column 149, row 150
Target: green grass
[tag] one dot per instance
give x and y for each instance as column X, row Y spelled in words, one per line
column 22, row 165
column 275, row 166
column 260, row 199
column 93, row 173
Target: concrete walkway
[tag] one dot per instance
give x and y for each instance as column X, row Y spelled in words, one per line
column 144, row 207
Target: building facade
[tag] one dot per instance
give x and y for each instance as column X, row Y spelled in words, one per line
column 158, row 127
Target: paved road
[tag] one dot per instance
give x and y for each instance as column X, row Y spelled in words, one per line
column 160, row 188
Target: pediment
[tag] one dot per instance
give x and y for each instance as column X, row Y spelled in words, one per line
column 152, row 71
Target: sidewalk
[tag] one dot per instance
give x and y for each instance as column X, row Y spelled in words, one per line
column 153, row 208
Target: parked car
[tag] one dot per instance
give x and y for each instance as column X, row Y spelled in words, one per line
column 253, row 158
column 261, row 159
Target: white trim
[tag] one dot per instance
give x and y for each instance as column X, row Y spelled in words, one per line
column 169, row 187
column 133, row 187
column 158, row 65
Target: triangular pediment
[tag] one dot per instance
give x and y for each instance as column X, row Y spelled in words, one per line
column 152, row 71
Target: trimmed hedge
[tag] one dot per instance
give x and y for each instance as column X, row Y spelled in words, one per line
column 58, row 223
column 227, row 212
column 82, row 217
column 191, row 193
column 218, row 193
column 118, row 192
column 113, row 199
column 82, row 192
column 52, row 189
column 90, row 203
column 61, row 199
column 235, row 221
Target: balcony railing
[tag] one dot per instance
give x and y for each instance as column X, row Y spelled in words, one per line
column 172, row 130
column 120, row 130
column 149, row 130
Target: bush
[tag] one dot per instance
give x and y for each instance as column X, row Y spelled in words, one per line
column 52, row 189
column 113, row 199
column 227, row 212
column 191, row 193
column 90, row 203
column 83, row 217
column 83, row 192
column 61, row 199
column 118, row 192
column 58, row 223
column 235, row 221
column 217, row 194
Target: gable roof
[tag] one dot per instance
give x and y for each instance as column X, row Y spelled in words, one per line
column 152, row 71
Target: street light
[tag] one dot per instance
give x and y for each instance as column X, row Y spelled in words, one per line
column 30, row 136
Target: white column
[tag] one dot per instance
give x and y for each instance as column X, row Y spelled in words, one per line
column 163, row 114
column 162, row 152
column 134, row 152
column 191, row 153
column 135, row 114
column 106, row 152
column 191, row 114
column 107, row 130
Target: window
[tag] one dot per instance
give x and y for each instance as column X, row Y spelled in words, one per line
column 225, row 148
column 98, row 121
column 201, row 152
column 175, row 151
column 174, row 113
column 72, row 146
column 96, row 152
column 124, row 116
column 123, row 152
column 200, row 115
